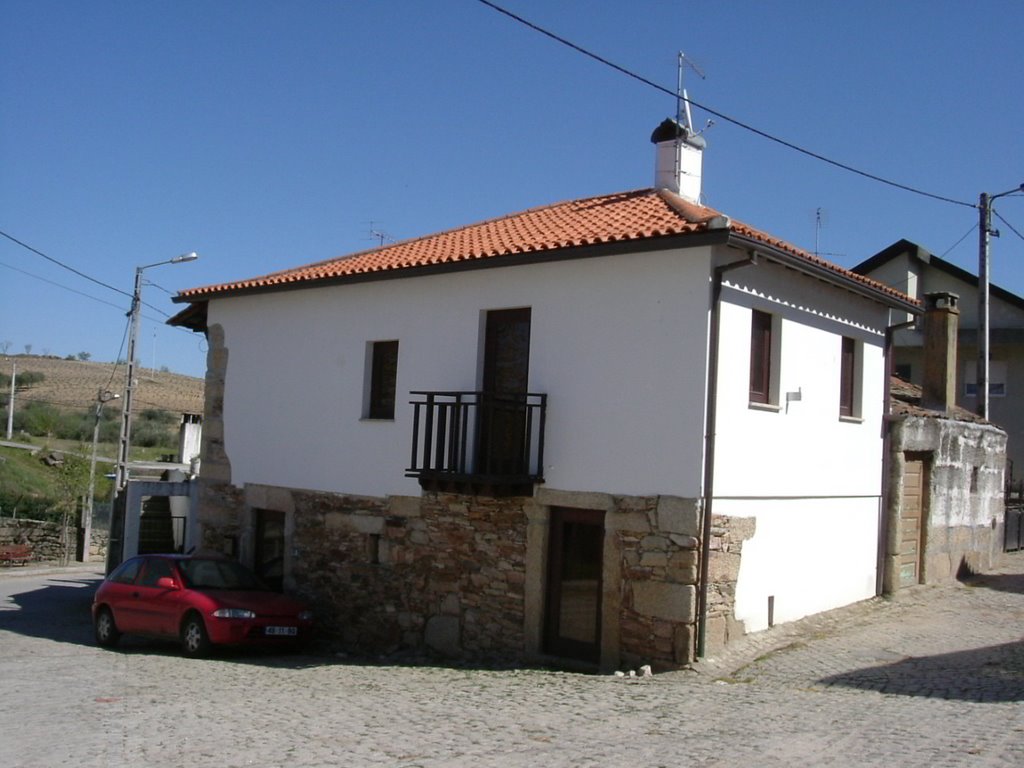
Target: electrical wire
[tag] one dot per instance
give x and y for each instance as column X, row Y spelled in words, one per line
column 58, row 285
column 720, row 115
column 63, row 265
column 1012, row 228
column 954, row 245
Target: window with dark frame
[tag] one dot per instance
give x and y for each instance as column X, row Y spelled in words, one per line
column 847, row 374
column 383, row 376
column 760, row 357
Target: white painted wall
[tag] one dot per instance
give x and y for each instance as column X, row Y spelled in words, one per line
column 811, row 479
column 617, row 343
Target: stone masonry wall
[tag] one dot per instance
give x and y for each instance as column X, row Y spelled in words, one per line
column 49, row 541
column 441, row 572
column 964, row 507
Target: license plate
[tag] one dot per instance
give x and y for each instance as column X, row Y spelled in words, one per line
column 283, row 631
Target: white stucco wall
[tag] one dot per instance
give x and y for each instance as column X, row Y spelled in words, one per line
column 617, row 343
column 811, row 479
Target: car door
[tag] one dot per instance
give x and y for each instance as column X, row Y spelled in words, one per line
column 156, row 606
column 119, row 593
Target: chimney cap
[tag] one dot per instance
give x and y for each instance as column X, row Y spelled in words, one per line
column 670, row 129
column 941, row 300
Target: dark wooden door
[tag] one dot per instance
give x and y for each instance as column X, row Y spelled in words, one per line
column 506, row 376
column 269, row 565
column 575, row 559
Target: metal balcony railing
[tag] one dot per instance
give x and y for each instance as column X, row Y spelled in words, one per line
column 479, row 439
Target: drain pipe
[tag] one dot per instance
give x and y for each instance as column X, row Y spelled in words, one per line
column 710, row 417
column 885, row 501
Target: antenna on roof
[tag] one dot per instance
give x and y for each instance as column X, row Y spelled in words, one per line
column 820, row 220
column 683, row 116
column 380, row 236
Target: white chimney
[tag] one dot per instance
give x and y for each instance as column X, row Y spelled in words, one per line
column 679, row 159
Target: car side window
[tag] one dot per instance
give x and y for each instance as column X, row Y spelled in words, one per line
column 126, row 572
column 156, row 569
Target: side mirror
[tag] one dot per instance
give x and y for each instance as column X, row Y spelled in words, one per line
column 166, row 582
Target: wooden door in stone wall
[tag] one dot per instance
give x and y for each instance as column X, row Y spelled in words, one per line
column 913, row 518
column 575, row 559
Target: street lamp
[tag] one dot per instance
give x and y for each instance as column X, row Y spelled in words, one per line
column 124, row 441
column 103, row 396
column 984, row 232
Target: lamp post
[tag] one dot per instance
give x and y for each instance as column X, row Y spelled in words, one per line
column 124, row 441
column 103, row 396
column 984, row 232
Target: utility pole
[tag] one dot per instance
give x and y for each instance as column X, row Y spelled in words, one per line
column 125, row 439
column 103, row 396
column 985, row 231
column 10, row 401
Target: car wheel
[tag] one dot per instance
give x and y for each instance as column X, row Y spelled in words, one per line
column 194, row 640
column 107, row 633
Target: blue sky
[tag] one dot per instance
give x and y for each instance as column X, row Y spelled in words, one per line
column 265, row 135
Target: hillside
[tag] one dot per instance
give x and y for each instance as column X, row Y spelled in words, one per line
column 75, row 384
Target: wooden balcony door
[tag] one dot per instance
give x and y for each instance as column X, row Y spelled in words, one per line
column 502, row 449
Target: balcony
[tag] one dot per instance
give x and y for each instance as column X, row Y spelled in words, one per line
column 484, row 443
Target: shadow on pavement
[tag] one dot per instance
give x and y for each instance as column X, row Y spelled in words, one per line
column 991, row 674
column 58, row 611
column 1001, row 582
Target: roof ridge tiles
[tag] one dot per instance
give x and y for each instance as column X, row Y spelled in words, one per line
column 596, row 220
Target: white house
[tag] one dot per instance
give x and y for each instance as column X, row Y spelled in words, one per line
column 618, row 429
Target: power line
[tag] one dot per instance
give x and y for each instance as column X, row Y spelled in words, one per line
column 727, row 118
column 1012, row 228
column 58, row 285
column 63, row 265
column 954, row 245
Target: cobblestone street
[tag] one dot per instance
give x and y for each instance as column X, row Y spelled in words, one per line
column 934, row 677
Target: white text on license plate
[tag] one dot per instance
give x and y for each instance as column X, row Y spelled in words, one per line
column 286, row 631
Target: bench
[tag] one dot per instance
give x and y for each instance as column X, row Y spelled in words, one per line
column 15, row 554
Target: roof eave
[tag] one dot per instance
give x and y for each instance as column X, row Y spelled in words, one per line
column 822, row 272
column 640, row 245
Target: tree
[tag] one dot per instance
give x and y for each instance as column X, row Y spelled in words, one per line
column 84, row 355
column 72, row 484
column 28, row 349
column 4, row 346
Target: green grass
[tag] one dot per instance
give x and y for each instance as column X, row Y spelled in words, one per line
column 29, row 486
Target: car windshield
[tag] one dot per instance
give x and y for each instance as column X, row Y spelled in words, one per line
column 218, row 574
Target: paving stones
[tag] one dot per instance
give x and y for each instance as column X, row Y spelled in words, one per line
column 934, row 677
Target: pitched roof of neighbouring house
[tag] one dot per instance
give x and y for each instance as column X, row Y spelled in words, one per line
column 915, row 251
column 641, row 216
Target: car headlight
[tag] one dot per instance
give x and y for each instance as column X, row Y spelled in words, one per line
column 234, row 613
column 305, row 615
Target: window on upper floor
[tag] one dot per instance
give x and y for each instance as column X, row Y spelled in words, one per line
column 996, row 378
column 762, row 352
column 850, row 366
column 383, row 370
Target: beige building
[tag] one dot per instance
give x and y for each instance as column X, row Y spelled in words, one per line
column 910, row 268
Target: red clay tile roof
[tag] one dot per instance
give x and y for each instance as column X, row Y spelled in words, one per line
column 906, row 401
column 640, row 215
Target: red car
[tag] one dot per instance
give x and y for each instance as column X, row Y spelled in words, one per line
column 199, row 601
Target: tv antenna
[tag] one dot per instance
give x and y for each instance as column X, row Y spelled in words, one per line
column 380, row 236
column 820, row 220
column 683, row 116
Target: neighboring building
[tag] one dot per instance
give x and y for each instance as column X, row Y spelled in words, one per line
column 909, row 267
column 619, row 430
column 944, row 516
